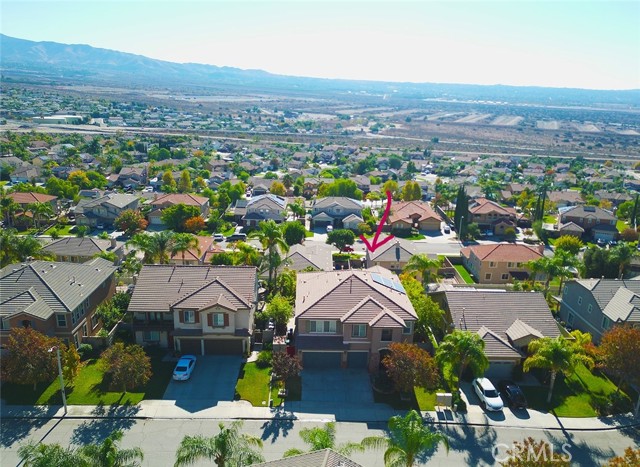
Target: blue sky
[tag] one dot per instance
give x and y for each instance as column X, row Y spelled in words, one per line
column 580, row 43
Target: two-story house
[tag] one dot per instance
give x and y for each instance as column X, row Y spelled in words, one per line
column 407, row 215
column 393, row 255
column 55, row 298
column 263, row 208
column 500, row 263
column 506, row 321
column 105, row 209
column 597, row 223
column 332, row 210
column 162, row 202
column 594, row 305
column 132, row 176
column 349, row 318
column 25, row 199
column 489, row 215
column 198, row 310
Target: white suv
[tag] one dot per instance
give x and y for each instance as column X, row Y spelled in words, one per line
column 488, row 395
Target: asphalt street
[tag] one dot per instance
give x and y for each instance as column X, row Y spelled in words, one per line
column 159, row 439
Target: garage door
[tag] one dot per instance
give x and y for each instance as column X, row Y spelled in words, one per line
column 357, row 359
column 499, row 370
column 321, row 359
column 190, row 346
column 223, row 347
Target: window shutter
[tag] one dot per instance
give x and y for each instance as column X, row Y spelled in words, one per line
column 226, row 319
column 197, row 316
column 181, row 316
column 210, row 319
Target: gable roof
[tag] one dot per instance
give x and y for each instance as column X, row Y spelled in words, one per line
column 80, row 246
column 396, row 250
column 117, row 200
column 588, row 211
column 322, row 458
column 495, row 346
column 28, row 198
column 328, row 294
column 269, row 198
column 44, row 287
column 405, row 210
column 179, row 198
column 347, row 203
column 316, row 255
column 499, row 311
column 603, row 290
column 160, row 287
column 485, row 206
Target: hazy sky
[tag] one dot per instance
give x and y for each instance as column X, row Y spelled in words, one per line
column 587, row 44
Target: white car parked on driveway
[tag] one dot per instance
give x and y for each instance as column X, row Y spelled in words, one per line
column 184, row 368
column 489, row 397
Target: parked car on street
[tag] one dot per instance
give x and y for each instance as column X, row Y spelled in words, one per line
column 237, row 237
column 329, row 228
column 218, row 237
column 447, row 229
column 489, row 398
column 512, row 395
column 184, row 368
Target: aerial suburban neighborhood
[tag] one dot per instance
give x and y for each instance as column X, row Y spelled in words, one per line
column 223, row 266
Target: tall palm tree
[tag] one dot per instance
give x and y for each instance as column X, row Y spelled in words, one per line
column 462, row 349
column 272, row 239
column 156, row 247
column 108, row 454
column 40, row 211
column 557, row 355
column 566, row 263
column 246, row 254
column 408, row 439
column 546, row 266
column 15, row 248
column 47, row 455
column 183, row 242
column 423, row 265
column 229, row 448
column 323, row 438
column 9, row 207
column 622, row 254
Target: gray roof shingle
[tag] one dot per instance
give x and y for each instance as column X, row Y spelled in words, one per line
column 321, row 458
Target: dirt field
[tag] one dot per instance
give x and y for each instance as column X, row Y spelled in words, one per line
column 548, row 125
column 473, row 118
column 586, row 127
column 507, row 120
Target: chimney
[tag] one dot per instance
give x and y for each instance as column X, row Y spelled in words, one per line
column 113, row 243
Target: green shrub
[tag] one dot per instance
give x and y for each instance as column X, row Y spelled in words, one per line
column 85, row 350
column 264, row 359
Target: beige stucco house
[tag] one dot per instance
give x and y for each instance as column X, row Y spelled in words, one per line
column 500, row 263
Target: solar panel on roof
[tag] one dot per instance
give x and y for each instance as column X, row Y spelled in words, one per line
column 392, row 284
column 398, row 286
column 377, row 278
column 387, row 282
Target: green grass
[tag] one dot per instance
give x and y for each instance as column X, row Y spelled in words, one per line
column 575, row 396
column 63, row 230
column 229, row 231
column 308, row 234
column 426, row 399
column 415, row 237
column 621, row 226
column 549, row 219
column 294, row 386
column 464, row 273
column 90, row 387
column 253, row 384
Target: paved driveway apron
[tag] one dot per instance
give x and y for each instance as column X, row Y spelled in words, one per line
column 213, row 380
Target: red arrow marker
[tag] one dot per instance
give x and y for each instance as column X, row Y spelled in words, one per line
column 373, row 246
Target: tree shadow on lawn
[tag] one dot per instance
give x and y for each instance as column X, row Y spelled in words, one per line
column 477, row 442
column 279, row 425
column 27, row 419
column 107, row 419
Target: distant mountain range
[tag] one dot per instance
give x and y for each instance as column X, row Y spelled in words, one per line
column 58, row 63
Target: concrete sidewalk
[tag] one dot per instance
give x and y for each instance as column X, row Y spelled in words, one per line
column 228, row 410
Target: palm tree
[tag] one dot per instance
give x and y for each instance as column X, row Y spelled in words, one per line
column 156, row 247
column 40, row 211
column 246, row 254
column 408, row 439
column 557, row 355
column 547, row 266
column 271, row 238
column 46, row 455
column 229, row 448
column 323, row 438
column 9, row 207
column 566, row 262
column 297, row 208
column 462, row 349
column 108, row 454
column 16, row 248
column 423, row 265
column 622, row 254
column 183, row 242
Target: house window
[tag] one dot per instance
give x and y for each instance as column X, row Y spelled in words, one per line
column 510, row 265
column 4, row 325
column 359, row 330
column 605, row 322
column 579, row 300
column 189, row 316
column 218, row 320
column 408, row 327
column 386, row 335
column 151, row 336
column 518, row 265
column 75, row 340
column 94, row 321
column 589, row 308
column 62, row 320
column 505, row 277
column 570, row 318
column 84, row 330
column 492, row 264
column 322, row 326
column 487, row 276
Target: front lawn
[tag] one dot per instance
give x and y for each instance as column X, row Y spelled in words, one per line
column 62, row 229
column 308, row 234
column 575, row 396
column 294, row 391
column 253, row 384
column 464, row 274
column 621, row 226
column 549, row 219
column 90, row 388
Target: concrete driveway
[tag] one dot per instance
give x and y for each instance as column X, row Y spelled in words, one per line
column 214, row 379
